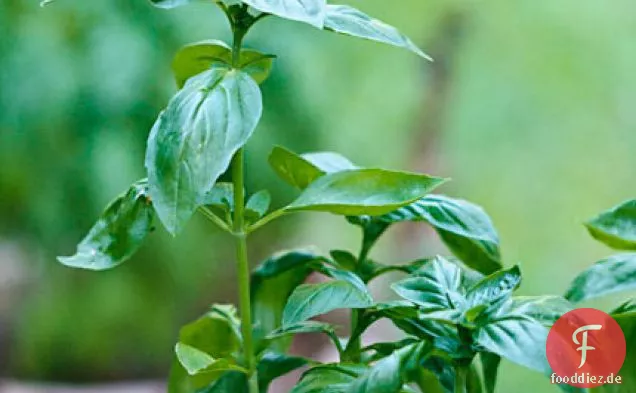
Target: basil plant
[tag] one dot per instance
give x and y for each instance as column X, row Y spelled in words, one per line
column 459, row 314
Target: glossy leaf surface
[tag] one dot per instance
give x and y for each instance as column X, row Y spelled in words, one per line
column 436, row 286
column 614, row 274
column 197, row 362
column 198, row 57
column 272, row 283
column 194, row 139
column 616, row 227
column 308, row 11
column 350, row 21
column 364, row 192
column 117, row 234
column 310, row 300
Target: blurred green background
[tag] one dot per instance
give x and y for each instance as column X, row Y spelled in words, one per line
column 529, row 107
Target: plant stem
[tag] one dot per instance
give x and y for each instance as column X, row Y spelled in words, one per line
column 238, row 180
column 243, row 268
column 461, row 372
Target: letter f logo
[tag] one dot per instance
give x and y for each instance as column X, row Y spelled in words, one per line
column 584, row 347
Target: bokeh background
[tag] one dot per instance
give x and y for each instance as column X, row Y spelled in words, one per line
column 529, row 107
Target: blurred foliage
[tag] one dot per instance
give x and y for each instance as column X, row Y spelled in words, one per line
column 537, row 126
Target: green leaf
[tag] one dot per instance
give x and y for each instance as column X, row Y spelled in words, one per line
column 616, row 227
column 489, row 368
column 308, row 11
column 364, row 192
column 310, row 300
column 221, row 197
column 545, row 309
column 117, row 234
column 198, row 57
column 258, row 205
column 271, row 284
column 463, row 226
column 306, row 327
column 230, row 382
column 194, row 139
column 302, row 170
column 389, row 374
column 197, row 362
column 273, row 365
column 168, row 3
column 625, row 309
column 628, row 382
column 350, row 21
column 520, row 339
column 214, row 333
column 435, row 288
column 495, row 288
column 325, row 379
column 345, row 259
column 614, row 274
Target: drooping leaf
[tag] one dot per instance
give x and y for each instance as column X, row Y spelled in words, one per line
column 305, row 327
column 489, row 368
column 463, row 226
column 310, row 300
column 301, row 170
column 495, row 288
column 308, row 11
column 389, row 374
column 216, row 334
column 326, row 379
column 273, row 365
column 272, row 283
column 364, row 192
column 198, row 362
column 198, row 57
column 435, row 288
column 520, row 339
column 117, row 234
column 614, row 274
column 194, row 139
column 258, row 205
column 616, row 227
column 350, row 21
column 169, row 3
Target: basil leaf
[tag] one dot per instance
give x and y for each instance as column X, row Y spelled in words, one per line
column 616, row 227
column 306, row 327
column 230, row 382
column 545, row 309
column 627, row 308
column 325, row 379
column 258, row 205
column 197, row 362
column 495, row 288
column 302, row 170
column 435, row 288
column 364, row 192
column 463, row 226
column 489, row 368
column 520, row 339
column 168, row 3
column 628, row 382
column 217, row 335
column 390, row 373
column 117, row 234
column 271, row 285
column 198, row 57
column 194, row 139
column 614, row 274
column 273, row 365
column 310, row 300
column 350, row 21
column 308, row 11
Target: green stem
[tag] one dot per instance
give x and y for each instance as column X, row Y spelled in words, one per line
column 243, row 268
column 238, row 180
column 461, row 373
